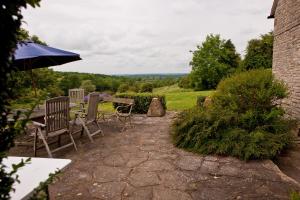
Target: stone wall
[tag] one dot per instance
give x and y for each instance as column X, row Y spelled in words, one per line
column 286, row 56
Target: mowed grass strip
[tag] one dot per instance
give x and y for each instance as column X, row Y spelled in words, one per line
column 179, row 99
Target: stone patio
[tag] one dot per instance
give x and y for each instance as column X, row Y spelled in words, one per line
column 141, row 163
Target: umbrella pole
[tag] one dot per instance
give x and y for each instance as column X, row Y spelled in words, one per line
column 33, row 83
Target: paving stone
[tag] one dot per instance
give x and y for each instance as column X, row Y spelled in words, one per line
column 156, row 165
column 135, row 159
column 148, row 148
column 131, row 193
column 141, row 179
column 167, row 194
column 106, row 174
column 114, row 160
column 189, row 162
column 111, row 190
column 209, row 166
column 160, row 156
column 176, row 180
column 229, row 170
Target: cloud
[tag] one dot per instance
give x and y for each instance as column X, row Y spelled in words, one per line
column 143, row 36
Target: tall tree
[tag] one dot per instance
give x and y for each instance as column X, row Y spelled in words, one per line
column 259, row 53
column 88, row 86
column 215, row 59
column 11, row 19
column 23, row 35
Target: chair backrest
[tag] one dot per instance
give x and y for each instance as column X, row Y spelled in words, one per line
column 92, row 106
column 57, row 114
column 76, row 95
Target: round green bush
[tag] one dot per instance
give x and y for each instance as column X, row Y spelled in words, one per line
column 245, row 119
column 146, row 87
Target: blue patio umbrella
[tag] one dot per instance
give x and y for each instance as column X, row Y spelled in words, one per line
column 30, row 55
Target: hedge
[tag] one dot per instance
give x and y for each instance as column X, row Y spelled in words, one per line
column 141, row 101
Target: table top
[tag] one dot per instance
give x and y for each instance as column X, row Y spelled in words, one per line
column 32, row 174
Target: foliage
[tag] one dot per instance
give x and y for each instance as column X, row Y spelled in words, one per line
column 69, row 81
column 259, row 53
column 23, row 35
column 200, row 101
column 11, row 19
column 141, row 101
column 185, row 82
column 294, row 195
column 245, row 119
column 212, row 61
column 88, row 86
column 41, row 192
column 124, row 87
column 146, row 87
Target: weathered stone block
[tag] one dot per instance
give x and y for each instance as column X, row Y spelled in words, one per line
column 156, row 109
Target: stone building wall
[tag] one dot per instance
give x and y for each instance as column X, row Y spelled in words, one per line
column 286, row 55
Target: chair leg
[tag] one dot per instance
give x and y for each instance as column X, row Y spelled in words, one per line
column 86, row 129
column 59, row 141
column 73, row 141
column 35, row 143
column 99, row 128
column 45, row 143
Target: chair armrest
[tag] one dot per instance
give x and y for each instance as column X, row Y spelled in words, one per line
column 118, row 108
column 38, row 124
column 128, row 113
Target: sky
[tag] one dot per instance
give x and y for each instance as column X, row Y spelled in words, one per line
column 143, row 36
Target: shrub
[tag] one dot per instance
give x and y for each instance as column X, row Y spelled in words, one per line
column 200, row 101
column 244, row 120
column 294, row 195
column 146, row 87
column 141, row 101
column 88, row 86
column 185, row 82
column 124, row 87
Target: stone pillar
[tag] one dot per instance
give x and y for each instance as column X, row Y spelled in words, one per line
column 156, row 109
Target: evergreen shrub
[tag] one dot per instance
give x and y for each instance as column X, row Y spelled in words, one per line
column 146, row 87
column 141, row 101
column 245, row 119
column 200, row 101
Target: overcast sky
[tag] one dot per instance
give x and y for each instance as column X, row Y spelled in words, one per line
column 143, row 36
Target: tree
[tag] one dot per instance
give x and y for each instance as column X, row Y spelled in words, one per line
column 11, row 19
column 146, row 87
column 69, row 82
column 185, row 82
column 124, row 87
column 259, row 53
column 23, row 35
column 88, row 86
column 213, row 60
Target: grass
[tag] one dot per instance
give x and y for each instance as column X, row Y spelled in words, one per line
column 179, row 99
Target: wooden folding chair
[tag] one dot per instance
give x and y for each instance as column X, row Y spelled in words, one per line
column 57, row 117
column 123, row 111
column 90, row 117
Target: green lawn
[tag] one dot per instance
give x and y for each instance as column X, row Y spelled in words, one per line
column 177, row 99
column 180, row 99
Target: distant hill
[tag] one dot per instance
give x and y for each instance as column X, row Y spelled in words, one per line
column 153, row 76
